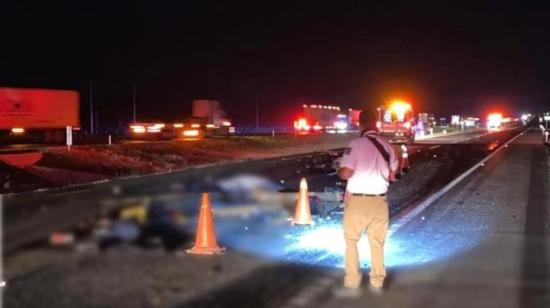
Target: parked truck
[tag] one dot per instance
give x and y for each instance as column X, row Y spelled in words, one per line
column 212, row 117
column 37, row 114
column 208, row 119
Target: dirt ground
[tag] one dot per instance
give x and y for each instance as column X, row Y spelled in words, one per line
column 92, row 162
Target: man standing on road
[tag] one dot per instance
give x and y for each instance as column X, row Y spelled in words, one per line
column 367, row 165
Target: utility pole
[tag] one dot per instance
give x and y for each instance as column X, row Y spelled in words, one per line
column 91, row 108
column 134, row 102
column 257, row 112
column 96, row 118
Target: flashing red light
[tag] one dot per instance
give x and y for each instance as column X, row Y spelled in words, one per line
column 301, row 124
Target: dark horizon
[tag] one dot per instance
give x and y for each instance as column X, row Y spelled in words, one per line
column 445, row 59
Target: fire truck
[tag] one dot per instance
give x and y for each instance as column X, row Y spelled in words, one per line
column 496, row 122
column 396, row 122
column 326, row 119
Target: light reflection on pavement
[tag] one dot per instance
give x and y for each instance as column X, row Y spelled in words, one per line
column 267, row 232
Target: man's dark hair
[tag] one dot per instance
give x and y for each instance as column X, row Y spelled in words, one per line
column 367, row 119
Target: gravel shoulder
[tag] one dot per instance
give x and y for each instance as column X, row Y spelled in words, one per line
column 89, row 163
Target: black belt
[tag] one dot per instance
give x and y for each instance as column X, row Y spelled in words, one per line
column 368, row 195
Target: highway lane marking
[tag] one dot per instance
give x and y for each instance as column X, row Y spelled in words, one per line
column 400, row 222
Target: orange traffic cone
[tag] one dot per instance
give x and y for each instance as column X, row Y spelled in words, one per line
column 302, row 216
column 206, row 243
column 404, row 159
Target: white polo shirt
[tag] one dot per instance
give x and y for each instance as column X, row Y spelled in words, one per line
column 371, row 171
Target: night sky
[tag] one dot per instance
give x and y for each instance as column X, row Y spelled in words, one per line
column 445, row 58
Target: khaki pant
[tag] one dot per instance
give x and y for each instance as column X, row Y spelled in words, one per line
column 371, row 214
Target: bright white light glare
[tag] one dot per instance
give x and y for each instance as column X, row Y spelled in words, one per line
column 494, row 121
column 324, row 244
column 153, row 129
column 300, row 123
column 327, row 241
column 191, row 133
column 340, row 125
column 18, row 130
column 137, row 129
column 469, row 123
column 547, row 118
column 455, row 119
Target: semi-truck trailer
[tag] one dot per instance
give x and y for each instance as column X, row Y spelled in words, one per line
column 212, row 117
column 38, row 114
column 208, row 119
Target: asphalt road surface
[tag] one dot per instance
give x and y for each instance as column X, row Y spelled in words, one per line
column 500, row 217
